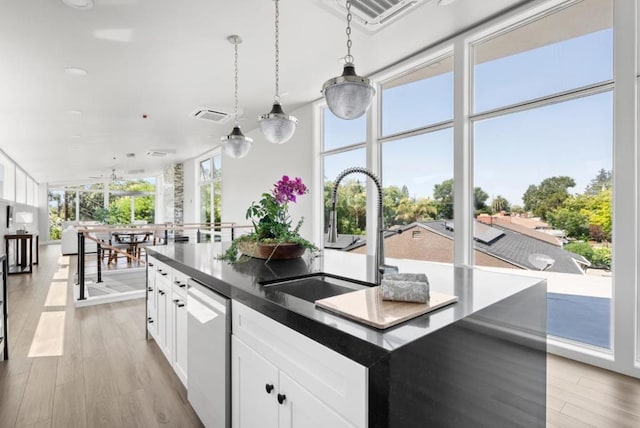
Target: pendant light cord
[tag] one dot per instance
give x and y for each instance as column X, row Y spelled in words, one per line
column 235, row 108
column 349, row 58
column 277, row 96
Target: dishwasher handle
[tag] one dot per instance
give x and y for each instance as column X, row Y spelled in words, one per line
column 207, row 297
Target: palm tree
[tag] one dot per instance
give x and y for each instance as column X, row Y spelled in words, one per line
column 499, row 204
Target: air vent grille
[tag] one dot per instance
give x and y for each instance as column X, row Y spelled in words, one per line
column 156, row 153
column 211, row 115
column 135, row 171
column 374, row 14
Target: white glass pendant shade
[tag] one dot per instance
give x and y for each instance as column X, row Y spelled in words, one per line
column 277, row 126
column 348, row 96
column 236, row 144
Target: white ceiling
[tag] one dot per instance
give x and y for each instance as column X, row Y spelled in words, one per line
column 165, row 58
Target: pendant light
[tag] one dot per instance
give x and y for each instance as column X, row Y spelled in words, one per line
column 236, row 144
column 277, row 126
column 349, row 95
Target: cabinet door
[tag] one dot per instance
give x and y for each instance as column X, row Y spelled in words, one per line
column 152, row 303
column 179, row 360
column 163, row 315
column 254, row 388
column 298, row 408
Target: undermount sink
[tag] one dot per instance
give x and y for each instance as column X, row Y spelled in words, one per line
column 316, row 286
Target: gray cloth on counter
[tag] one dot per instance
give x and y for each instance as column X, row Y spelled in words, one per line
column 405, row 287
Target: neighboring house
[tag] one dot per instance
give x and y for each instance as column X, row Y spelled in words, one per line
column 526, row 226
column 494, row 246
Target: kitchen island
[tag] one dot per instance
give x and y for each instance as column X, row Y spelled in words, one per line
column 479, row 362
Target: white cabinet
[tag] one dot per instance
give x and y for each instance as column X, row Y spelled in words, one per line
column 255, row 385
column 164, row 312
column 152, row 299
column 312, row 385
column 179, row 336
column 300, row 408
column 264, row 396
column 167, row 313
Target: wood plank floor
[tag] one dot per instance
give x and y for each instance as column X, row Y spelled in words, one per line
column 92, row 367
column 82, row 367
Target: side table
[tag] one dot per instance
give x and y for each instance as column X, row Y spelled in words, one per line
column 23, row 251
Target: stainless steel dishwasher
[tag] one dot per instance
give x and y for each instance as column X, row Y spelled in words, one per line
column 209, row 355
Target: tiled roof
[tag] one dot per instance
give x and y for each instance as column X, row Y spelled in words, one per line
column 515, row 248
column 518, row 248
column 516, row 226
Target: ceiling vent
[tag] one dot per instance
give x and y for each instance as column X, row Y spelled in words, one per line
column 374, row 14
column 211, row 115
column 160, row 152
column 156, row 153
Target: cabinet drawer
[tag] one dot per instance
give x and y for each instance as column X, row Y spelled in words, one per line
column 152, row 263
column 163, row 270
column 179, row 283
column 341, row 383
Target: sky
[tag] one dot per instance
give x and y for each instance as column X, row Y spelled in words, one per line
column 511, row 152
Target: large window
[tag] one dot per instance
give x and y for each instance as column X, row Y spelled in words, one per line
column 542, row 136
column 547, row 169
column 123, row 202
column 418, row 98
column 210, row 185
column 132, row 200
column 351, row 204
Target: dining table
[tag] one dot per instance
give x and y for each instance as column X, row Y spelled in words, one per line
column 132, row 239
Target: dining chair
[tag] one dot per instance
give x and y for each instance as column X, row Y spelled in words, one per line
column 119, row 242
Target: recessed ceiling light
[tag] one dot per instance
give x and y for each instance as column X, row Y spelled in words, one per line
column 74, row 111
column 75, row 71
column 445, row 2
column 79, row 4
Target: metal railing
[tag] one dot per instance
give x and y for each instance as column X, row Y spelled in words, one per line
column 162, row 235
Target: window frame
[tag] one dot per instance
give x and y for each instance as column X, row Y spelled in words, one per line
column 624, row 357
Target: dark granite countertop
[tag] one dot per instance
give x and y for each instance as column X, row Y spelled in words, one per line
column 476, row 289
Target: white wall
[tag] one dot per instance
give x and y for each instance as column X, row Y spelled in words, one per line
column 244, row 180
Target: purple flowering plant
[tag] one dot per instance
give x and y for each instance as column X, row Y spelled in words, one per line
column 270, row 217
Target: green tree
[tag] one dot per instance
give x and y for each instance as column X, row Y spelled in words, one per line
column 574, row 223
column 410, row 210
column 548, row 196
column 479, row 199
column 350, row 206
column 581, row 248
column 90, row 205
column 602, row 181
column 585, row 216
column 601, row 258
column 517, row 209
column 598, row 209
column 499, row 204
column 443, row 196
column 393, row 197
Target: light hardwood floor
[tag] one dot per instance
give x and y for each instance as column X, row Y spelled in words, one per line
column 92, row 367
column 82, row 367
